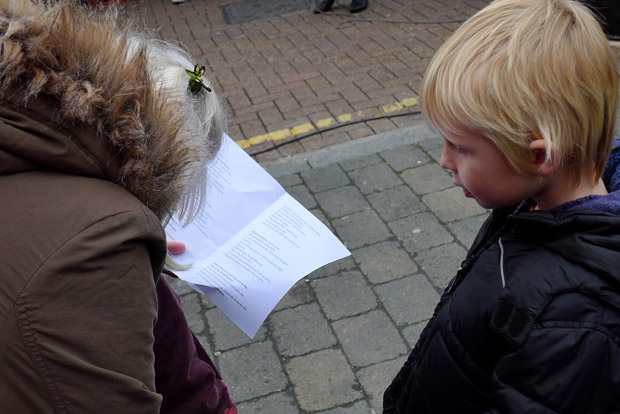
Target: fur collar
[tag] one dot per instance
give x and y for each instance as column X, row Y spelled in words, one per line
column 78, row 58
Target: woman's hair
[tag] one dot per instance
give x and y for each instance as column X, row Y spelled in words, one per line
column 203, row 118
column 202, row 122
column 525, row 69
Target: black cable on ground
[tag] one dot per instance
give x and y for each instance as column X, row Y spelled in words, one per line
column 354, row 20
column 359, row 121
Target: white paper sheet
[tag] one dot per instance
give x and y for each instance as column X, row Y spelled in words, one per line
column 252, row 242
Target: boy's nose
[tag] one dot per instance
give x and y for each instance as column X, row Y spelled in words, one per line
column 445, row 161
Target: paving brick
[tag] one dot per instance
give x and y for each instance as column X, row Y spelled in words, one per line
column 441, row 263
column 376, row 378
column 226, row 335
column 287, row 104
column 435, row 154
column 179, row 286
column 300, row 330
column 408, row 300
column 363, row 80
column 323, row 380
column 238, row 100
column 302, row 91
column 248, row 113
column 381, row 125
column 192, row 307
column 268, row 156
column 402, row 158
column 450, row 205
column 279, row 403
column 292, row 120
column 299, row 294
column 273, row 83
column 342, row 201
column 363, row 349
column 412, row 332
column 253, row 90
column 252, row 371
column 370, row 108
column 427, row 179
column 420, row 232
column 361, row 229
column 252, row 128
column 396, row 203
column 376, row 177
column 358, row 407
column 270, row 116
column 318, row 83
column 359, row 131
column 431, row 144
column 203, row 339
column 353, row 94
column 290, row 180
column 360, row 162
column 325, row 178
column 206, row 303
column 302, row 194
column 333, row 268
column 405, row 122
column 318, row 213
column 465, row 230
column 345, row 294
column 383, row 262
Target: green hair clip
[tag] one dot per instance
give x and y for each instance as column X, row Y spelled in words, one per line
column 195, row 79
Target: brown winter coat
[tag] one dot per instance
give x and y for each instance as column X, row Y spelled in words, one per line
column 90, row 164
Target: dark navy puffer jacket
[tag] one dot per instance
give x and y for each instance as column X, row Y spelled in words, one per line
column 531, row 323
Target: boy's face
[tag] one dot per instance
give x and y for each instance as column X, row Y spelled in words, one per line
column 483, row 172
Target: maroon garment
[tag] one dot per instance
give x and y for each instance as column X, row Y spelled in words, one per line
column 184, row 374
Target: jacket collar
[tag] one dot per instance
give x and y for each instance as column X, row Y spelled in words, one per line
column 77, row 98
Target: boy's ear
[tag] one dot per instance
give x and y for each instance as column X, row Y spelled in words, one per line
column 541, row 165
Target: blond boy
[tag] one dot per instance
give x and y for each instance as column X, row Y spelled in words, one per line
column 524, row 95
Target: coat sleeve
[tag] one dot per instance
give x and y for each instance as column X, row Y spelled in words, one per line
column 562, row 367
column 184, row 374
column 87, row 317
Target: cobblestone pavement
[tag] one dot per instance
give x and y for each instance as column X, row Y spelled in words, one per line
column 335, row 341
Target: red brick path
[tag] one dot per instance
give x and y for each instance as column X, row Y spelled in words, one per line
column 299, row 68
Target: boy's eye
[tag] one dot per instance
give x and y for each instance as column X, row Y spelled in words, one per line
column 455, row 147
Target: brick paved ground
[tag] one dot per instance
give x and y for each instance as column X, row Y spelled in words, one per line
column 302, row 69
column 336, row 340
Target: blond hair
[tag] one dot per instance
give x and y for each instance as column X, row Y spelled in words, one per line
column 203, row 123
column 525, row 69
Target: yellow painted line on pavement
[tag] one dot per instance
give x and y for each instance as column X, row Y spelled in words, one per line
column 324, row 123
column 292, row 132
column 345, row 118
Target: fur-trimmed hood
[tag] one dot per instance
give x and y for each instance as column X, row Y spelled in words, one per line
column 75, row 97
